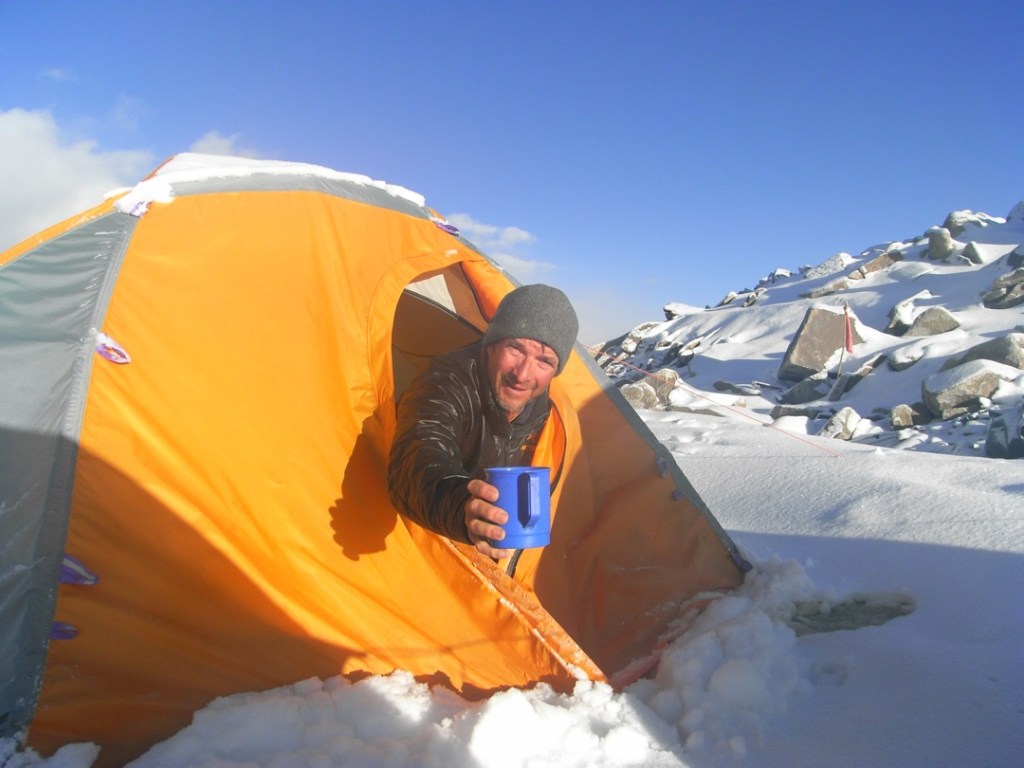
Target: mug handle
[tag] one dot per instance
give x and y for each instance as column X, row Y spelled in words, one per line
column 529, row 501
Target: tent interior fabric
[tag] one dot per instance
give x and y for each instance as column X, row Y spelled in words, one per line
column 196, row 406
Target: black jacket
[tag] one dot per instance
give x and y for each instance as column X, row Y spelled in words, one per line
column 449, row 429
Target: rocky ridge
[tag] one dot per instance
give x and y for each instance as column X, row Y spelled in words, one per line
column 915, row 344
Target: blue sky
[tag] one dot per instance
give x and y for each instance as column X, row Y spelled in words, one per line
column 631, row 153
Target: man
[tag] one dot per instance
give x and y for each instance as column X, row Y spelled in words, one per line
column 481, row 406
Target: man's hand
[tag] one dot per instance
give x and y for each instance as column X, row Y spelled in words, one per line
column 484, row 520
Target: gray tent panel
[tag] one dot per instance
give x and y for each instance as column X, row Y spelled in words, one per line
column 52, row 300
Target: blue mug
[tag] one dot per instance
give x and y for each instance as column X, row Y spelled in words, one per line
column 525, row 494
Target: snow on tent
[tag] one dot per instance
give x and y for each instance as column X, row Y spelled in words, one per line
column 196, row 405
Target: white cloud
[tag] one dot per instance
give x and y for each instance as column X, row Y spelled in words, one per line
column 501, row 244
column 522, row 269
column 488, row 236
column 49, row 172
column 213, row 143
column 603, row 314
column 126, row 113
column 59, row 74
column 45, row 177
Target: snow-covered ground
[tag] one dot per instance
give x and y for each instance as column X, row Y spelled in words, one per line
column 823, row 521
column 930, row 541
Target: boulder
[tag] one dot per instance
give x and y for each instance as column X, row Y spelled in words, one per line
column 901, row 316
column 776, row 275
column 1006, row 291
column 728, row 299
column 932, row 321
column 842, row 425
column 877, row 264
column 830, row 266
column 940, row 244
column 1005, row 438
column 906, row 356
column 957, row 222
column 814, row 387
column 632, row 340
column 842, row 284
column 753, row 296
column 805, row 411
column 1016, row 257
column 663, row 382
column 1008, row 350
column 904, row 416
column 675, row 309
column 972, row 254
column 965, row 388
column 640, row 394
column 821, row 333
column 747, row 390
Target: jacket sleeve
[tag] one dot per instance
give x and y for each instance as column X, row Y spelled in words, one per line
column 427, row 475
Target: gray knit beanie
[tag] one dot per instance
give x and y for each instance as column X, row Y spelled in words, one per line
column 537, row 312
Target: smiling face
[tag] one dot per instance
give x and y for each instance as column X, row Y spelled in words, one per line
column 519, row 370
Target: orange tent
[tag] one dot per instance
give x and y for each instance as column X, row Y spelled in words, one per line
column 196, row 406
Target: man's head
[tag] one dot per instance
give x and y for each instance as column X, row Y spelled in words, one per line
column 537, row 312
column 528, row 343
